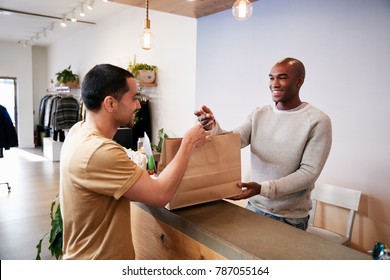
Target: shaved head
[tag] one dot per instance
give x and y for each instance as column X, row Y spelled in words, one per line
column 294, row 64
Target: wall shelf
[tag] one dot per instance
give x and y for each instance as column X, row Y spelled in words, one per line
column 63, row 89
column 147, row 84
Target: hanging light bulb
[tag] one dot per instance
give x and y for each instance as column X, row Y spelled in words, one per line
column 146, row 39
column 242, row 9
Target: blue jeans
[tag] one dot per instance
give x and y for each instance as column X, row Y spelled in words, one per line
column 300, row 223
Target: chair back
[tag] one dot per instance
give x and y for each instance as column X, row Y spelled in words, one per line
column 339, row 196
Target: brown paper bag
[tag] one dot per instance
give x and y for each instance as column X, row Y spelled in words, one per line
column 212, row 173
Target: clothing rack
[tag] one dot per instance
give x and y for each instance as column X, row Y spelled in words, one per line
column 57, row 113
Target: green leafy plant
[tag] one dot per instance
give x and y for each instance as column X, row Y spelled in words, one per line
column 66, row 76
column 55, row 238
column 161, row 136
column 134, row 68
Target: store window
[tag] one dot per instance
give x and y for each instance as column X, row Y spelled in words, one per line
column 8, row 97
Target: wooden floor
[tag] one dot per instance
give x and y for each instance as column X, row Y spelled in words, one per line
column 25, row 210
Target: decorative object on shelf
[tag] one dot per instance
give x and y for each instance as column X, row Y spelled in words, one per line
column 242, row 9
column 146, row 39
column 147, row 76
column 144, row 73
column 67, row 78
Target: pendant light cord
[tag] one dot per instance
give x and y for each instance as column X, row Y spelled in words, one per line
column 147, row 21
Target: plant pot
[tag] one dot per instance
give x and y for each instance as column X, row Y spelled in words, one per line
column 146, row 76
column 73, row 84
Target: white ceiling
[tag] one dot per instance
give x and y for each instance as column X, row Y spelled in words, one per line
column 23, row 26
column 16, row 27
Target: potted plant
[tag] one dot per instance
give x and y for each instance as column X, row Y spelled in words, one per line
column 161, row 136
column 55, row 236
column 67, row 78
column 144, row 73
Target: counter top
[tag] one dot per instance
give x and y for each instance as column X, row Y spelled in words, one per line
column 237, row 233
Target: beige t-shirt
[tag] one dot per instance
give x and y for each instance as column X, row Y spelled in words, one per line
column 94, row 174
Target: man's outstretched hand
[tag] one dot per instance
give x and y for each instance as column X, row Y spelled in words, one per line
column 205, row 117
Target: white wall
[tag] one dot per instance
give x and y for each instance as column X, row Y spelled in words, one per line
column 40, row 84
column 114, row 41
column 16, row 61
column 345, row 48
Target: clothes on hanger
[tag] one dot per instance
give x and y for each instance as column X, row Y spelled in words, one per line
column 57, row 113
column 8, row 136
column 66, row 113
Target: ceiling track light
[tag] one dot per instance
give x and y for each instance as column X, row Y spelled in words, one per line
column 82, row 13
column 73, row 18
column 90, row 4
column 242, row 9
column 24, row 43
column 146, row 39
column 63, row 22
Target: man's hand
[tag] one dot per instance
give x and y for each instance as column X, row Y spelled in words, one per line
column 205, row 117
column 196, row 136
column 248, row 190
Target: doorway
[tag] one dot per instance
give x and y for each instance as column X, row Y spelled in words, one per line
column 8, row 97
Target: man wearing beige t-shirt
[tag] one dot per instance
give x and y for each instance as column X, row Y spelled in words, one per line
column 98, row 180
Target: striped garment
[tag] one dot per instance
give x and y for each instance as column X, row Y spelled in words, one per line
column 67, row 113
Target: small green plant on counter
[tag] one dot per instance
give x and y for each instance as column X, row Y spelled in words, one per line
column 161, row 136
column 55, row 238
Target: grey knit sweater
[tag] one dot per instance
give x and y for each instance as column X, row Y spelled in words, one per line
column 288, row 152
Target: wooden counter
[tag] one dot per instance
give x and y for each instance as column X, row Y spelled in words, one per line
column 222, row 230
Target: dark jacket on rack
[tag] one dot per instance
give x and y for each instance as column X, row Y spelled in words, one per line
column 66, row 113
column 8, row 137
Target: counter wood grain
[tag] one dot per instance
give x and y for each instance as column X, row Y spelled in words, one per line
column 220, row 229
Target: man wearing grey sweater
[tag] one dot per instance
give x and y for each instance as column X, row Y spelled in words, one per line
column 289, row 142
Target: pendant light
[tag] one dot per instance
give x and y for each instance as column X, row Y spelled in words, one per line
column 146, row 39
column 242, row 9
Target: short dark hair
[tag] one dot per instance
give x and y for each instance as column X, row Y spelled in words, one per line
column 101, row 81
